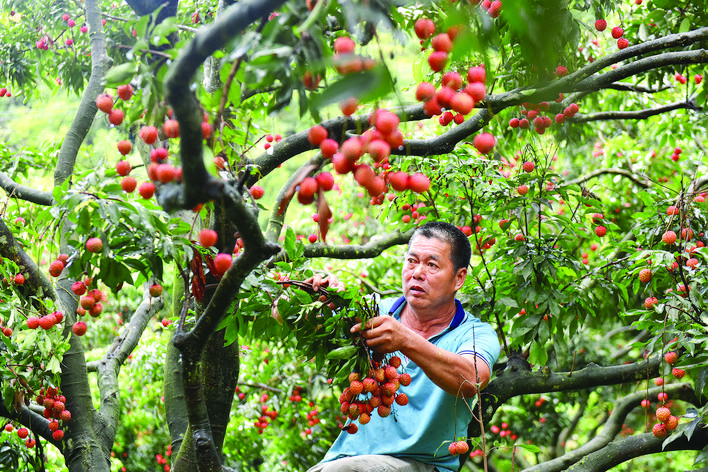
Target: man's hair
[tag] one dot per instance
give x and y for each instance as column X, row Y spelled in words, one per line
column 460, row 249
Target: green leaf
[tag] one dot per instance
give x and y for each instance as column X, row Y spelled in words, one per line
column 676, row 435
column 54, row 365
column 701, row 380
column 538, row 354
column 235, row 93
column 506, row 301
column 685, row 25
column 528, row 447
column 120, row 74
column 342, row 352
column 9, row 395
column 366, row 86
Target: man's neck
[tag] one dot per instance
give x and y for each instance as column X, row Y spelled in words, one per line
column 428, row 324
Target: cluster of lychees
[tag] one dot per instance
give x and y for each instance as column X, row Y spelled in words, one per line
column 6, row 330
column 452, row 94
column 346, row 61
column 415, row 212
column 54, row 410
column 162, row 460
column 22, row 433
column 45, row 322
column 266, row 414
column 4, row 92
column 377, row 142
column 312, row 419
column 617, row 33
column 532, row 114
column 458, row 447
column 667, row 421
column 159, row 170
column 492, row 8
column 676, row 155
column 376, row 392
column 222, row 261
column 90, row 301
column 270, row 139
column 597, row 219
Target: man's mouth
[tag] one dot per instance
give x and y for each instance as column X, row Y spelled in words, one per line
column 416, row 289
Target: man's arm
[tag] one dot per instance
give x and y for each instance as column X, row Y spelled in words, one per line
column 458, row 375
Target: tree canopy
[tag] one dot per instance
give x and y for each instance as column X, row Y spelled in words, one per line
column 174, row 172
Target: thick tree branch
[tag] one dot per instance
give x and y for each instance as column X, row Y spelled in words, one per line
column 515, row 381
column 199, row 186
column 371, row 249
column 280, row 206
column 611, row 171
column 36, row 282
column 35, row 422
column 598, row 82
column 86, row 112
column 15, row 190
column 447, row 141
column 86, row 449
column 223, row 301
column 622, row 87
column 585, row 79
column 614, row 424
column 570, row 83
column 145, row 7
column 631, row 115
column 581, row 80
column 109, row 367
column 630, row 447
column 337, row 129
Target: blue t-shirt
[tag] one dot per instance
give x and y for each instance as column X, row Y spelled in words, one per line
column 418, row 430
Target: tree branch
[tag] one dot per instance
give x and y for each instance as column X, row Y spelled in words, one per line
column 36, row 282
column 371, row 249
column 86, row 112
column 336, row 127
column 630, row 447
column 224, row 300
column 109, row 367
column 515, row 381
column 610, row 171
column 199, row 186
column 15, row 190
column 699, row 56
column 622, row 87
column 613, row 425
column 33, row 421
column 582, row 79
column 631, row 115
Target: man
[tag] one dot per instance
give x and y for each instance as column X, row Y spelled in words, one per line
column 447, row 352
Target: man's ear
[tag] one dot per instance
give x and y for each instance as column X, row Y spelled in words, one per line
column 460, row 278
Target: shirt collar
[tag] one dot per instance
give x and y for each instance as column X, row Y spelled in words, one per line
column 397, row 307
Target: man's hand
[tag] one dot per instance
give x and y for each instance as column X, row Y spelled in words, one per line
column 329, row 280
column 383, row 334
column 458, row 375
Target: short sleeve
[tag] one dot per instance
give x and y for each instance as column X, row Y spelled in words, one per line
column 479, row 338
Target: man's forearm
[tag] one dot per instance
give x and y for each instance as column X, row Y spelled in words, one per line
column 458, row 375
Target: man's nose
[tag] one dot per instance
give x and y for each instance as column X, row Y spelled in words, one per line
column 418, row 271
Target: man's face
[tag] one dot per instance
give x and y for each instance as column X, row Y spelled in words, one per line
column 429, row 281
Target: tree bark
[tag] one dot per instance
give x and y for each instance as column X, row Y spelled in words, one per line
column 83, row 119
